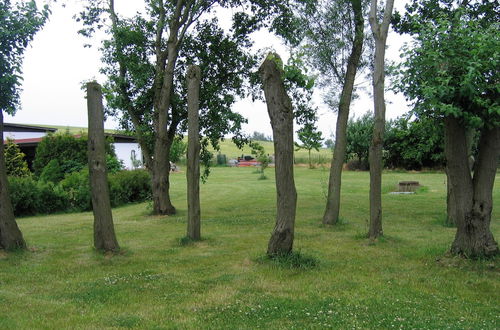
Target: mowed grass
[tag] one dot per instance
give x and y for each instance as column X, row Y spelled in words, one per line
column 401, row 281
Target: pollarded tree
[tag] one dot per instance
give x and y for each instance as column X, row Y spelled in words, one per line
column 451, row 72
column 145, row 61
column 18, row 25
column 279, row 106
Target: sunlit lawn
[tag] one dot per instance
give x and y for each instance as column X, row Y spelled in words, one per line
column 223, row 282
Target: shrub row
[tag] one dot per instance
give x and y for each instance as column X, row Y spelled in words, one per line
column 30, row 196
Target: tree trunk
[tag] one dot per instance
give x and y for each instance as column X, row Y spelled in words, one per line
column 280, row 111
column 451, row 206
column 161, row 162
column 193, row 153
column 310, row 161
column 473, row 196
column 380, row 31
column 104, row 232
column 11, row 237
column 331, row 215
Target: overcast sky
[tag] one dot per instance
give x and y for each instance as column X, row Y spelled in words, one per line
column 56, row 64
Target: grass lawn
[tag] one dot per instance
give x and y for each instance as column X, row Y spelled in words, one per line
column 402, row 281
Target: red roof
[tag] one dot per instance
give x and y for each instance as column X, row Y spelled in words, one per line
column 25, row 141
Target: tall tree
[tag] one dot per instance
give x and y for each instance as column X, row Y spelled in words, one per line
column 104, row 231
column 281, row 113
column 193, row 78
column 18, row 25
column 333, row 44
column 451, row 73
column 146, row 58
column 379, row 31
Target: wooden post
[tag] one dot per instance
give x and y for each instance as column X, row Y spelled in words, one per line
column 193, row 78
column 104, row 232
column 280, row 111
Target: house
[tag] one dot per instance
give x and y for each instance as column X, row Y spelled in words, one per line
column 28, row 136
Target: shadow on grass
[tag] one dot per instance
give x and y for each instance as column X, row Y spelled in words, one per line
column 292, row 260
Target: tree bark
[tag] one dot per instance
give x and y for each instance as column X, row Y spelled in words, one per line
column 473, row 195
column 451, row 206
column 104, row 232
column 280, row 111
column 11, row 237
column 193, row 153
column 331, row 215
column 380, row 31
column 161, row 162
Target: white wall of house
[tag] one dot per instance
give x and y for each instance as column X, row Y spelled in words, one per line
column 23, row 135
column 124, row 153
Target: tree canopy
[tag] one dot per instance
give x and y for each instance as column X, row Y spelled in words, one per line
column 18, row 24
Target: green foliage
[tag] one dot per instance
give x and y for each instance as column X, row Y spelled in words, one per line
column 14, row 160
column 310, row 138
column 327, row 34
column 77, row 188
column 178, row 149
column 23, row 194
column 52, row 172
column 19, row 22
column 451, row 68
column 129, row 187
column 73, row 192
column 221, row 159
column 31, row 197
column 413, row 144
column 258, row 136
column 70, row 152
column 261, row 156
column 113, row 164
column 359, row 135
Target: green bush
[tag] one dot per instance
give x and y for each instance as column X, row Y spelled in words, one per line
column 76, row 187
column 31, row 197
column 15, row 161
column 73, row 192
column 23, row 195
column 69, row 151
column 129, row 187
column 52, row 172
column 51, row 198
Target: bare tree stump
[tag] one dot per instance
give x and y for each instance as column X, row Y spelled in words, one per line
column 193, row 153
column 280, row 111
column 104, row 232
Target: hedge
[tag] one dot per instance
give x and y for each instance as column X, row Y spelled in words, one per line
column 72, row 194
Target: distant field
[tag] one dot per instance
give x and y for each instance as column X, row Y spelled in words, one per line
column 223, row 282
column 228, row 148
column 322, row 156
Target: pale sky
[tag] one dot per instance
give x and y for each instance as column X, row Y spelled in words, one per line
column 56, row 64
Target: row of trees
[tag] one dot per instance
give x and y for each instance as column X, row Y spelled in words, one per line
column 146, row 57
